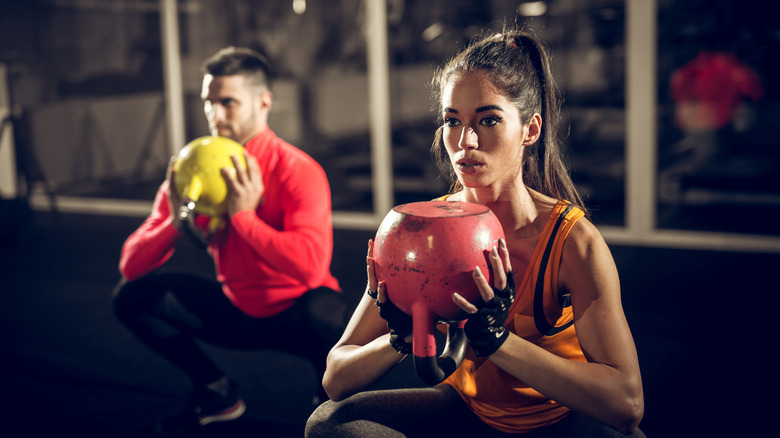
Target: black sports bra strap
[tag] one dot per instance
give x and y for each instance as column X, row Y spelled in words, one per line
column 540, row 320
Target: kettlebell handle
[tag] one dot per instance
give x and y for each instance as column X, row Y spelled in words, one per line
column 433, row 370
column 187, row 216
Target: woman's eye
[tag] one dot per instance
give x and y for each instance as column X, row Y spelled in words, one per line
column 449, row 121
column 490, row 121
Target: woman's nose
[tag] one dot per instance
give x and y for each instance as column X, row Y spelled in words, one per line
column 468, row 139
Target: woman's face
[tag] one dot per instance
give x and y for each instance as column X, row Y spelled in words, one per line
column 482, row 132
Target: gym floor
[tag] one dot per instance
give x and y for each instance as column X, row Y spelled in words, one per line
column 700, row 320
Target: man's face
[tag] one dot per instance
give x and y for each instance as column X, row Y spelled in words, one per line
column 234, row 108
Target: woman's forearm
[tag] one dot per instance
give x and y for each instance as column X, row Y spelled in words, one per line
column 352, row 368
column 607, row 393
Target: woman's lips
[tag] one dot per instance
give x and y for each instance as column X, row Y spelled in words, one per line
column 469, row 166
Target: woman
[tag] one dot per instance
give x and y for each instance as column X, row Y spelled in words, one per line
column 553, row 357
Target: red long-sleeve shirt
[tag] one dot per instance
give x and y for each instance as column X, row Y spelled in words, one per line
column 269, row 257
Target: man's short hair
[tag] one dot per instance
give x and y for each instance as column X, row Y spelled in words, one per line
column 240, row 61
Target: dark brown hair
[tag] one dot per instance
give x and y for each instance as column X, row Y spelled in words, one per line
column 240, row 61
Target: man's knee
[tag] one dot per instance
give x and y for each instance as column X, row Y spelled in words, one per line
column 325, row 310
column 132, row 297
column 119, row 298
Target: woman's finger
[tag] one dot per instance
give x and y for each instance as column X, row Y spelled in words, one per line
column 370, row 270
column 497, row 267
column 482, row 284
column 381, row 293
column 463, row 303
column 504, row 254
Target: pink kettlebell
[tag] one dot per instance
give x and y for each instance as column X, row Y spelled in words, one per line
column 424, row 252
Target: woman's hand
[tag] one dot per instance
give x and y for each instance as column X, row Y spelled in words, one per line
column 399, row 323
column 485, row 325
column 364, row 353
column 245, row 187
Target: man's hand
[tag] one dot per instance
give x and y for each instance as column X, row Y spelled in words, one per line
column 245, row 186
column 174, row 201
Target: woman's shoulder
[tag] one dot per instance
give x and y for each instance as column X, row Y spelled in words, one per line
column 584, row 244
column 585, row 259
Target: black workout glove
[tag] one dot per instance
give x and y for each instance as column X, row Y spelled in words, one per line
column 485, row 329
column 399, row 323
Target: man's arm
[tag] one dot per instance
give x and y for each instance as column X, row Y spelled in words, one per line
column 152, row 244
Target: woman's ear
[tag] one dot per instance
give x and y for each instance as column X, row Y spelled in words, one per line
column 534, row 130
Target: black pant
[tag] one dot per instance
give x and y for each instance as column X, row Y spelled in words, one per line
column 169, row 311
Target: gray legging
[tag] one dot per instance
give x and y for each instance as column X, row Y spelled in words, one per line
column 427, row 412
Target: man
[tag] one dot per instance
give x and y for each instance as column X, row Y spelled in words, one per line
column 274, row 288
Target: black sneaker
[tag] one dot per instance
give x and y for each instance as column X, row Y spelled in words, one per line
column 205, row 407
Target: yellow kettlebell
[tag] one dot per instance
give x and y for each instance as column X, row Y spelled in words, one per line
column 197, row 177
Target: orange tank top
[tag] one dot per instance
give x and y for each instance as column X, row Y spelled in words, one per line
column 538, row 315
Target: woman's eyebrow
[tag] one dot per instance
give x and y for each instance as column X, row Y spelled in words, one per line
column 479, row 110
column 489, row 107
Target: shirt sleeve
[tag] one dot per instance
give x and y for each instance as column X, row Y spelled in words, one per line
column 152, row 244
